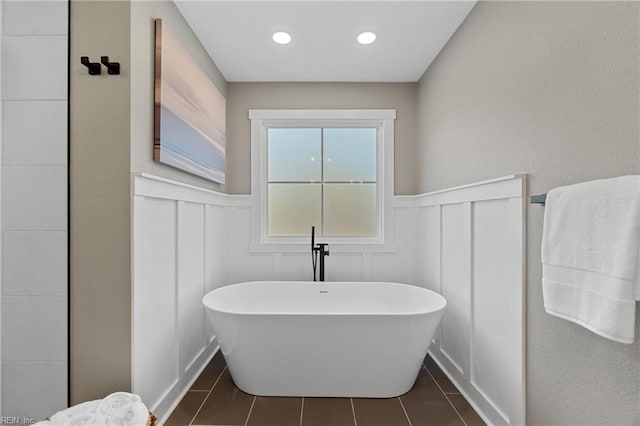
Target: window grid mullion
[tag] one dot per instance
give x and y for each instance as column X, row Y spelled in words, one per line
column 322, row 181
column 354, row 182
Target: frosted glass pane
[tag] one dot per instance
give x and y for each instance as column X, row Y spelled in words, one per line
column 350, row 210
column 294, row 155
column 293, row 209
column 349, row 154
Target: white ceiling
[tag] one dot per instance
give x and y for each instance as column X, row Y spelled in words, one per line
column 237, row 35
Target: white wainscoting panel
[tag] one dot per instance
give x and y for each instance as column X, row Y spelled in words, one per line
column 471, row 241
column 183, row 237
column 155, row 348
column 215, row 255
column 215, row 244
column 489, row 372
column 394, row 266
column 466, row 243
column 294, row 266
column 343, row 267
column 429, row 249
column 245, row 265
column 191, row 284
column 429, row 253
column 455, row 287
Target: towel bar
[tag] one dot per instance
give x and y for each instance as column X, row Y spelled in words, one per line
column 538, row 199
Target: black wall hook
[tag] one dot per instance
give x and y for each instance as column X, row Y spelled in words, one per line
column 112, row 67
column 94, row 67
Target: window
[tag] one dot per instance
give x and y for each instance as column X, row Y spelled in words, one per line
column 325, row 177
column 331, row 169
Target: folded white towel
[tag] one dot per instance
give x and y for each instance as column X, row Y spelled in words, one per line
column 590, row 255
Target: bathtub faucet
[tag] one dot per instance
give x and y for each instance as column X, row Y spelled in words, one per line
column 321, row 249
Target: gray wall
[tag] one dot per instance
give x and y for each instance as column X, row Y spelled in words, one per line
column 111, row 132
column 142, row 79
column 244, row 96
column 550, row 89
column 99, row 203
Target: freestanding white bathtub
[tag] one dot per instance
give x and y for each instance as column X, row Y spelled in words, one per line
column 332, row 339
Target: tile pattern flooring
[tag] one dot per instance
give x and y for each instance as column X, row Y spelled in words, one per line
column 214, row 400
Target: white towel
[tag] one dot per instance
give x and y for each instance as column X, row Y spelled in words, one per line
column 124, row 408
column 590, row 255
column 117, row 402
column 65, row 416
column 91, row 419
column 117, row 409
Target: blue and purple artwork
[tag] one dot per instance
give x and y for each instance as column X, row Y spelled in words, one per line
column 189, row 112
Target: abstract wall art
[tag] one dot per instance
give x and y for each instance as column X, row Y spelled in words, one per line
column 189, row 121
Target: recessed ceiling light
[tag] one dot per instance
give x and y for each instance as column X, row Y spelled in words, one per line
column 281, row 37
column 366, row 38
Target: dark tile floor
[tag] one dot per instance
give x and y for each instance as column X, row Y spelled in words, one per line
column 214, row 400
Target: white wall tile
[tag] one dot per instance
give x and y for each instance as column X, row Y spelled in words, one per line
column 34, row 67
column 34, row 263
column 34, row 62
column 33, row 389
column 34, row 328
column 35, row 17
column 34, row 198
column 34, row 132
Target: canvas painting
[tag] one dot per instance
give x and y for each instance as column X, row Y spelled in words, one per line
column 189, row 112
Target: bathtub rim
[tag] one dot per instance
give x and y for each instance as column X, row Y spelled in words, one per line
column 441, row 306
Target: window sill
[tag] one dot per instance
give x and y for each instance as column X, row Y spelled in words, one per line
column 334, row 247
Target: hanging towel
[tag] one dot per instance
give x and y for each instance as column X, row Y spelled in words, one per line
column 590, row 255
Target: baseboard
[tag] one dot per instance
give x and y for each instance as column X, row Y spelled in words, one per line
column 172, row 398
column 462, row 391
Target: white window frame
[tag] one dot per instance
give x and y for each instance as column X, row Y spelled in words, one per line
column 264, row 119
